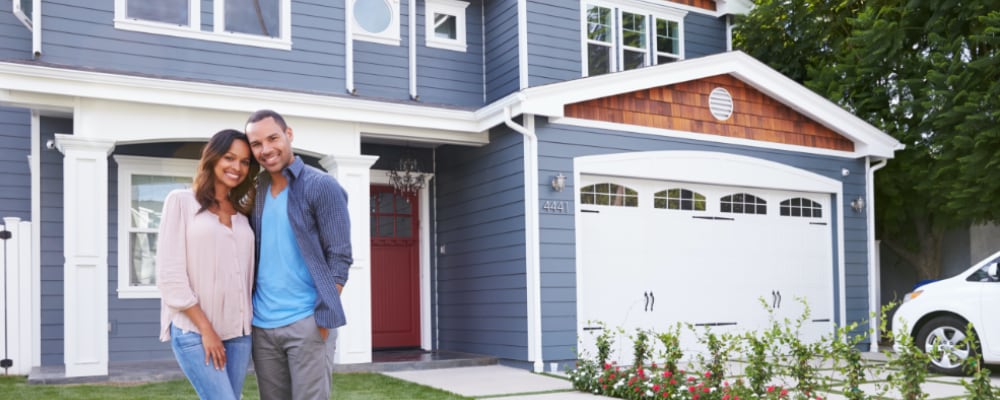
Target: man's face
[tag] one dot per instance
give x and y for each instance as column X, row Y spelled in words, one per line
column 271, row 146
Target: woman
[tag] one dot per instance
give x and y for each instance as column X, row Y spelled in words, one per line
column 205, row 267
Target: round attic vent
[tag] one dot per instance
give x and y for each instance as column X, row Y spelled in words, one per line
column 720, row 103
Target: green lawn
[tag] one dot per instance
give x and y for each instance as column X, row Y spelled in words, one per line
column 345, row 387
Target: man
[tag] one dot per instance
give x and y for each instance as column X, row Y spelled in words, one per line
column 303, row 252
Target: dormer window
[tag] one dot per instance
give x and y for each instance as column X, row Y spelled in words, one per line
column 263, row 23
column 376, row 21
column 619, row 37
column 444, row 23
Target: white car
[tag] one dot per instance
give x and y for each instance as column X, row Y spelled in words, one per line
column 937, row 314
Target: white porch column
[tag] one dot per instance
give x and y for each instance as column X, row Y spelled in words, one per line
column 354, row 341
column 85, row 248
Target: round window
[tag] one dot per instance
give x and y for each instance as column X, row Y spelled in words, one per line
column 373, row 16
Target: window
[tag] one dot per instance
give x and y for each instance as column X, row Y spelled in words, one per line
column 620, row 38
column 22, row 10
column 263, row 23
column 444, row 24
column 679, row 199
column 743, row 203
column 800, row 207
column 143, row 184
column 376, row 21
column 609, row 194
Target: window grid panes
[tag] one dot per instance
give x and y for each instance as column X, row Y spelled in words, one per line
column 391, row 216
column 743, row 203
column 599, row 39
column 146, row 209
column 634, row 37
column 254, row 17
column 679, row 199
column 623, row 39
column 667, row 41
column 609, row 194
column 445, row 26
column 167, row 11
column 801, row 207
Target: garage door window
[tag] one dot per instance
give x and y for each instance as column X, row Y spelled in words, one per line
column 609, row 194
column 799, row 207
column 743, row 203
column 679, row 199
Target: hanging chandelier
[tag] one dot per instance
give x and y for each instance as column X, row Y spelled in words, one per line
column 406, row 178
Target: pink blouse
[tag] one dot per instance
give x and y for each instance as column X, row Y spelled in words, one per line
column 201, row 261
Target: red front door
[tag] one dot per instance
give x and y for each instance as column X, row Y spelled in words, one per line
column 395, row 269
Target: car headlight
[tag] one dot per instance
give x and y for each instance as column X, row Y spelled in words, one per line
column 912, row 295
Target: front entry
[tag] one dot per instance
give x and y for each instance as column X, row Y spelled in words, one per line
column 395, row 269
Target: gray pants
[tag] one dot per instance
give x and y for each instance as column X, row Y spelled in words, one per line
column 292, row 362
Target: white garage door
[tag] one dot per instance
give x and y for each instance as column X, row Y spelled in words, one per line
column 654, row 253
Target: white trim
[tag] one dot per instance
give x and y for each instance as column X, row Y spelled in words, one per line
column 650, row 13
column 448, row 7
column 522, row 44
column 35, row 166
column 705, row 137
column 381, row 177
column 218, row 34
column 36, row 31
column 349, row 48
column 127, row 167
column 874, row 268
column 390, row 36
column 412, row 51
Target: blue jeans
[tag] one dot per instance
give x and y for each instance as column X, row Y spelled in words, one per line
column 209, row 382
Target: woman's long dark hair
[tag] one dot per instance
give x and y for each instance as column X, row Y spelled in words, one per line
column 242, row 196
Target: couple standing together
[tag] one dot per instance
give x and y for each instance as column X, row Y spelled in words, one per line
column 220, row 282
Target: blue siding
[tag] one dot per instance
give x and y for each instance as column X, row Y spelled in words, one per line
column 81, row 33
column 559, row 144
column 383, row 70
column 704, row 35
column 15, row 38
column 501, row 49
column 554, row 48
column 15, row 179
column 52, row 242
column 448, row 76
column 481, row 290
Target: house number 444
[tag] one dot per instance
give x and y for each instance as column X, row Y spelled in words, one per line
column 555, row 207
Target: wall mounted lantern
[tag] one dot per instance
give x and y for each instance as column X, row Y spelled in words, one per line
column 858, row 204
column 559, row 182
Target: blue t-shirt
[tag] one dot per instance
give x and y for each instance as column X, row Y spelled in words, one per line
column 285, row 290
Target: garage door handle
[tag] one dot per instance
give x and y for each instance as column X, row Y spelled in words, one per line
column 593, row 328
column 590, row 211
column 650, row 300
column 775, row 299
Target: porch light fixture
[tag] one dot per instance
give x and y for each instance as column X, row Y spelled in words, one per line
column 858, row 204
column 559, row 182
column 406, row 178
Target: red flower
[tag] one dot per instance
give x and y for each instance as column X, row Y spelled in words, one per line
column 666, row 394
column 770, row 389
column 784, row 392
column 673, row 382
column 612, row 376
column 706, row 389
column 708, row 374
column 667, row 374
column 695, row 397
column 654, row 365
column 725, row 397
column 690, row 379
column 692, row 389
column 607, row 366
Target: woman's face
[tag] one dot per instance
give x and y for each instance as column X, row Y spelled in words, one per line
column 234, row 165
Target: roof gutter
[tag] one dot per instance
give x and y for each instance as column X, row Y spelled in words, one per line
column 874, row 295
column 531, row 256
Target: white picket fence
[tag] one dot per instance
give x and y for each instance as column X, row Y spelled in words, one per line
column 15, row 296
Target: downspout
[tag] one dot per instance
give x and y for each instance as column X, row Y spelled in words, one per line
column 349, row 47
column 36, row 28
column 413, row 50
column 532, row 259
column 873, row 272
column 522, row 43
column 729, row 32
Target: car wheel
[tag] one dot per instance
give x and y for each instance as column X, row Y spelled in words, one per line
column 947, row 333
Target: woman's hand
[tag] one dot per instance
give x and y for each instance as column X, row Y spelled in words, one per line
column 215, row 352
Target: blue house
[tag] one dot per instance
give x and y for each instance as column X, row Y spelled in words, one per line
column 582, row 161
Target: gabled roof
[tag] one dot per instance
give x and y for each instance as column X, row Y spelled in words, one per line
column 551, row 100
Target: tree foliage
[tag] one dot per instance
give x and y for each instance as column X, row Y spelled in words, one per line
column 925, row 72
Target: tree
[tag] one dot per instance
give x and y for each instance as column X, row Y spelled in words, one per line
column 925, row 72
